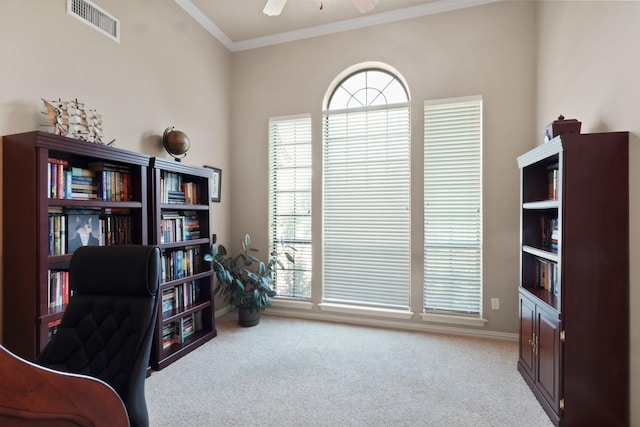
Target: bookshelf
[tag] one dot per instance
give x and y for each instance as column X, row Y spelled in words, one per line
column 53, row 188
column 180, row 226
column 574, row 278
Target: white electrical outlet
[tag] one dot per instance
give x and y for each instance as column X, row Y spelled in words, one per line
column 495, row 303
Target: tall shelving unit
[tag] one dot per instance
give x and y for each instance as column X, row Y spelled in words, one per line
column 180, row 212
column 574, row 278
column 38, row 170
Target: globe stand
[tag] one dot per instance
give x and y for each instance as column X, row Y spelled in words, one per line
column 176, row 143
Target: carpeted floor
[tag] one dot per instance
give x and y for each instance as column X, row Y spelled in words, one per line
column 290, row 372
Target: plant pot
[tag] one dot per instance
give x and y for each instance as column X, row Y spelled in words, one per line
column 248, row 317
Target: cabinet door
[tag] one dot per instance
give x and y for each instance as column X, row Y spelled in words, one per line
column 527, row 335
column 549, row 350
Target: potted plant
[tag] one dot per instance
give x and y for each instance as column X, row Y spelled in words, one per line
column 244, row 280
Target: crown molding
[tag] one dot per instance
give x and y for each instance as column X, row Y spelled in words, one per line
column 206, row 23
column 432, row 8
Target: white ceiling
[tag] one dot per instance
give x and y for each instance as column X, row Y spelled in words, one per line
column 241, row 25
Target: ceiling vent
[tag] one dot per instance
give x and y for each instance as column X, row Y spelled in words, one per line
column 95, row 17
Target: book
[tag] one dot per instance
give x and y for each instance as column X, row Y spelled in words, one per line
column 168, row 300
column 553, row 181
column 114, row 181
column 547, row 275
column 187, row 327
column 56, row 177
column 169, row 334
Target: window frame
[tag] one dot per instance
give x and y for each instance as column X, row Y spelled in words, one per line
column 467, row 135
column 343, row 293
column 295, row 195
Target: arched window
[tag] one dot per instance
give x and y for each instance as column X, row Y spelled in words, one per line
column 366, row 191
column 368, row 88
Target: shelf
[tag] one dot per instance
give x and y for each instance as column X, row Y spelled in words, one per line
column 574, row 300
column 183, row 207
column 178, row 350
column 176, row 314
column 551, row 256
column 27, row 161
column 76, row 203
column 541, row 153
column 196, row 276
column 183, row 243
column 544, row 296
column 167, row 179
column 544, row 204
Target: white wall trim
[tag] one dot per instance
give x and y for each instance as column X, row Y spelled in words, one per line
column 453, row 320
column 291, row 303
column 431, row 8
column 393, row 324
column 206, row 23
column 336, row 313
column 367, row 311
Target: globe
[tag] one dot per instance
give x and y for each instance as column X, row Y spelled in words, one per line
column 175, row 142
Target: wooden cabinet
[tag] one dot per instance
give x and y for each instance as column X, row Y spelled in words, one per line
column 574, row 278
column 180, row 219
column 53, row 185
column 540, row 348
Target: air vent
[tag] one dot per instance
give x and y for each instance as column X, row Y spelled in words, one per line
column 95, row 17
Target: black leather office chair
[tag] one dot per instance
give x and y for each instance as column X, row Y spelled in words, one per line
column 107, row 327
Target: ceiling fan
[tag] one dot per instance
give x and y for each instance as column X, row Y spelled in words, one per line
column 274, row 7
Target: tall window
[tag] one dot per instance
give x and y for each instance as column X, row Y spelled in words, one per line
column 290, row 201
column 366, row 192
column 453, row 206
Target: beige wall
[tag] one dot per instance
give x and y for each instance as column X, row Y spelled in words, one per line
column 166, row 71
column 574, row 58
column 588, row 69
column 488, row 51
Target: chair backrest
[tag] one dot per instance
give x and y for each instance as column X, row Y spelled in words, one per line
column 107, row 328
column 32, row 395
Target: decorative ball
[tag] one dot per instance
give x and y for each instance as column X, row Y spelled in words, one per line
column 175, row 142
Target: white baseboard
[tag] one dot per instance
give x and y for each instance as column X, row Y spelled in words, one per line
column 391, row 323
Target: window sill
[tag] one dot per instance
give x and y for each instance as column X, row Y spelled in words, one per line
column 370, row 311
column 452, row 319
column 291, row 303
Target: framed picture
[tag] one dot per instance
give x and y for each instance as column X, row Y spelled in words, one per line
column 82, row 230
column 216, row 184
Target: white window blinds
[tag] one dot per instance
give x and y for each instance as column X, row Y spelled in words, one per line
column 366, row 206
column 290, row 201
column 453, row 205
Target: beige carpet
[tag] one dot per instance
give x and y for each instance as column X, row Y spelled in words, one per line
column 289, row 372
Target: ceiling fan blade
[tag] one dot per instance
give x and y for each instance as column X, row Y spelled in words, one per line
column 365, row 6
column 273, row 7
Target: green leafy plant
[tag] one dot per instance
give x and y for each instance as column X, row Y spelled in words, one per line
column 244, row 280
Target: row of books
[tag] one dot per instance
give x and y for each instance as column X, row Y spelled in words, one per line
column 58, row 289
column 97, row 181
column 178, row 332
column 547, row 276
column 549, row 230
column 180, row 296
column 180, row 263
column 71, row 228
column 175, row 191
column 179, row 227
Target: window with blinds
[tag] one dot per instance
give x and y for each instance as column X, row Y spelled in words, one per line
column 453, row 206
column 366, row 193
column 290, row 201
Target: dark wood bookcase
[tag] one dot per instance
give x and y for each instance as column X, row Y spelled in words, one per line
column 574, row 278
column 180, row 226
column 33, row 265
